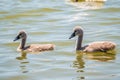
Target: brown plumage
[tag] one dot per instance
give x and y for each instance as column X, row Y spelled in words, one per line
column 33, row 47
column 94, row 46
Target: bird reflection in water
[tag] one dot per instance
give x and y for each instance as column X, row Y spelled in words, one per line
column 79, row 63
column 23, row 62
column 23, row 67
column 101, row 56
column 23, row 56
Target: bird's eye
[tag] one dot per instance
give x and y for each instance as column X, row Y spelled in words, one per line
column 20, row 35
column 75, row 31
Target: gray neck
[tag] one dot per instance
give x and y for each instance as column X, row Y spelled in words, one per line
column 79, row 42
column 22, row 44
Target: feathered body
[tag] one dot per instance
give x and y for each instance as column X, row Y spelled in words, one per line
column 37, row 48
column 100, row 46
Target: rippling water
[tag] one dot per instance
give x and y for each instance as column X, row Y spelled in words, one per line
column 51, row 21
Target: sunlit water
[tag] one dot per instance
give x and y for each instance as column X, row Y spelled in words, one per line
column 52, row 21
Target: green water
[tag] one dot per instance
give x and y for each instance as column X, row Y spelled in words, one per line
column 52, row 21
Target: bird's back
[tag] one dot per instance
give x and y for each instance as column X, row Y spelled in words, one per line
column 38, row 47
column 100, row 46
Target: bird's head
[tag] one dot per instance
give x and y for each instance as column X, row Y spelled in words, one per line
column 21, row 35
column 77, row 31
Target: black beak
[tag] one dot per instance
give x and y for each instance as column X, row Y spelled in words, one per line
column 16, row 38
column 72, row 35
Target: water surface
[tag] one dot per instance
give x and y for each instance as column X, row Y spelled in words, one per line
column 52, row 21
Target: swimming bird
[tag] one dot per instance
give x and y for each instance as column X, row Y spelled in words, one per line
column 33, row 47
column 102, row 46
column 90, row 0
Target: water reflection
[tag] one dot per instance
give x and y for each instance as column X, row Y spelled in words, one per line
column 22, row 56
column 23, row 67
column 80, row 63
column 23, row 63
column 96, row 4
column 100, row 56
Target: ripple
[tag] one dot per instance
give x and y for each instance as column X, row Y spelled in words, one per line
column 21, row 15
column 52, row 21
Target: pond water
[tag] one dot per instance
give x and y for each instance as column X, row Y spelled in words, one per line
column 52, row 21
